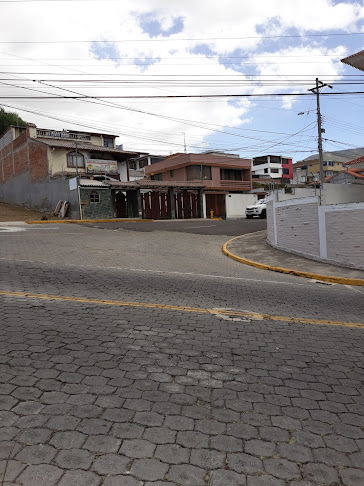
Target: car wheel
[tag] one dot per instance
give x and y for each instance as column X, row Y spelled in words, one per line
column 263, row 214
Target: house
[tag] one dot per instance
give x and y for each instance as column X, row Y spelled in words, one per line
column 272, row 167
column 357, row 163
column 226, row 179
column 37, row 166
column 137, row 165
column 308, row 170
column 348, row 176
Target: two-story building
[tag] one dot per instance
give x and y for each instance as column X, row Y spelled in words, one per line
column 225, row 179
column 40, row 167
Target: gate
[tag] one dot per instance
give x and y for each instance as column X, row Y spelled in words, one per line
column 186, row 204
column 155, row 205
column 216, row 203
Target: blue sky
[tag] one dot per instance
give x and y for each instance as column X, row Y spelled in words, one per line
column 153, row 48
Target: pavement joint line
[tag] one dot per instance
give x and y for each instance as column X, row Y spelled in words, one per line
column 229, row 312
column 298, row 273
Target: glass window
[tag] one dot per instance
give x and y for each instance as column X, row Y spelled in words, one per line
column 157, row 177
column 171, row 173
column 198, row 172
column 72, row 157
column 260, row 160
column 231, row 175
column 94, row 197
column 275, row 171
column 108, row 142
column 286, row 171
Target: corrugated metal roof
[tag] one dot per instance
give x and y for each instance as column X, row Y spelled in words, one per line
column 92, row 183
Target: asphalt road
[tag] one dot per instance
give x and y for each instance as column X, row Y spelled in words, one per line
column 150, row 358
column 234, row 227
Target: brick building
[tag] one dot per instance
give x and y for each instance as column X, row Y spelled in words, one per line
column 37, row 165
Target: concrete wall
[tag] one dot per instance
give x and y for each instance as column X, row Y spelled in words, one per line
column 342, row 193
column 40, row 195
column 237, row 203
column 329, row 233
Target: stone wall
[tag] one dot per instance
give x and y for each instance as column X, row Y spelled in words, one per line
column 104, row 209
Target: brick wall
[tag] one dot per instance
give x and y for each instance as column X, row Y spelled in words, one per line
column 38, row 158
column 297, row 228
column 345, row 234
column 329, row 233
column 101, row 210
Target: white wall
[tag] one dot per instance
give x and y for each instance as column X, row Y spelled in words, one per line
column 329, row 233
column 342, row 193
column 237, row 203
column 123, row 171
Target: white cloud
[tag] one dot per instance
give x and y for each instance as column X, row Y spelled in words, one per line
column 210, row 19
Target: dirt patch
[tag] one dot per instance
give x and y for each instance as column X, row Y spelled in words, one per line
column 11, row 212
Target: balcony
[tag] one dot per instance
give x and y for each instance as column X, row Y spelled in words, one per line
column 63, row 134
column 241, row 185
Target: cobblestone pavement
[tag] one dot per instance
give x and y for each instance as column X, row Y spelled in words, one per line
column 94, row 394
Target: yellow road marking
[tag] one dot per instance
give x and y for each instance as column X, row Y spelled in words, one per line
column 236, row 313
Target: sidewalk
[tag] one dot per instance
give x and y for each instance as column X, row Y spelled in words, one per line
column 255, row 250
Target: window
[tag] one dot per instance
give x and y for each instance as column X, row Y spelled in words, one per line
column 275, row 171
column 266, row 171
column 72, row 157
column 286, row 171
column 171, row 173
column 108, row 142
column 285, row 161
column 260, row 160
column 231, row 175
column 157, row 177
column 94, row 197
column 275, row 159
column 198, row 172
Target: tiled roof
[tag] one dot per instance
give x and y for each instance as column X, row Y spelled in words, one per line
column 359, row 160
column 148, row 184
column 83, row 146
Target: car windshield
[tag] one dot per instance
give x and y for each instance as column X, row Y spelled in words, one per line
column 262, row 201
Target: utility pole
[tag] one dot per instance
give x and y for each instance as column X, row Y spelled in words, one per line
column 184, row 142
column 320, row 130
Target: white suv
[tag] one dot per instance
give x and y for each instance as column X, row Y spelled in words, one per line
column 259, row 209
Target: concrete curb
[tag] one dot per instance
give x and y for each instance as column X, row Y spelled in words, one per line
column 115, row 220
column 290, row 271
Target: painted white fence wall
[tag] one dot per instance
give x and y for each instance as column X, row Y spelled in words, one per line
column 330, row 233
column 237, row 203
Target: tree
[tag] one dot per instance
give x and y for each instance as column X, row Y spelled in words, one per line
column 8, row 118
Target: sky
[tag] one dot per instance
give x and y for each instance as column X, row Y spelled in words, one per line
column 169, row 77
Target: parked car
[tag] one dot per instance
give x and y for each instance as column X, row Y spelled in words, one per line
column 259, row 209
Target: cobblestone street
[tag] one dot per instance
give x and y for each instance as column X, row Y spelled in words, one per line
column 152, row 359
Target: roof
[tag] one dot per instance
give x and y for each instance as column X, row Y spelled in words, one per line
column 181, row 160
column 148, row 184
column 92, row 183
column 355, row 60
column 359, row 160
column 83, row 146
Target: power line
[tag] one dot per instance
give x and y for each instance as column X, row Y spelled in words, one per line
column 170, row 39
column 250, row 95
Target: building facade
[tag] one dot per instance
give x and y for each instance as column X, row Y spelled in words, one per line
column 37, row 165
column 272, row 167
column 221, row 175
